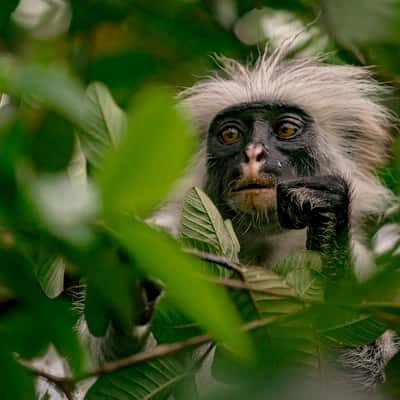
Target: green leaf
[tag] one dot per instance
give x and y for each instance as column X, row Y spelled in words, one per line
column 49, row 86
column 362, row 21
column 159, row 256
column 347, row 327
column 53, row 144
column 7, row 7
column 67, row 207
column 203, row 227
column 36, row 320
column 105, row 123
column 169, row 324
column 392, row 384
column 110, row 294
column 282, row 301
column 16, row 383
column 152, row 380
column 302, row 272
column 138, row 174
column 50, row 274
column 278, row 344
column 77, row 166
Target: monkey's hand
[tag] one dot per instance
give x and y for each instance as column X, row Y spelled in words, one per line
column 320, row 203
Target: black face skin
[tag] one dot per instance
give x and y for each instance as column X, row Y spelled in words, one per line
column 287, row 177
column 258, row 123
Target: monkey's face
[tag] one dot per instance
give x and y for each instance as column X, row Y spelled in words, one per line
column 250, row 149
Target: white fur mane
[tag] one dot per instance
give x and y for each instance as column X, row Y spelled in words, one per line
column 353, row 127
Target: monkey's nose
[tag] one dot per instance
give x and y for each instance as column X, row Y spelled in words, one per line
column 254, row 158
column 254, row 153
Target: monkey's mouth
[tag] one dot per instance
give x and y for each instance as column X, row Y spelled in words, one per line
column 254, row 183
column 253, row 194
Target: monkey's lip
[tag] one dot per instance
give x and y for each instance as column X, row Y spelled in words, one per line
column 254, row 184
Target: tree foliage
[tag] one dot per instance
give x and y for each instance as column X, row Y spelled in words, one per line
column 91, row 144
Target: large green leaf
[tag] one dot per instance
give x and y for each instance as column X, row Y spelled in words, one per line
column 50, row 86
column 160, row 256
column 37, row 320
column 16, row 383
column 66, row 206
column 104, row 124
column 169, row 324
column 302, row 271
column 347, row 327
column 138, row 174
column 152, row 380
column 294, row 341
column 203, row 227
column 8, row 6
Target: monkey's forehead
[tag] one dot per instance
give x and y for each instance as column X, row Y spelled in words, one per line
column 260, row 107
column 335, row 96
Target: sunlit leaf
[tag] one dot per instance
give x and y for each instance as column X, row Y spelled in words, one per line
column 77, row 165
column 104, row 124
column 203, row 227
column 302, row 271
column 50, row 274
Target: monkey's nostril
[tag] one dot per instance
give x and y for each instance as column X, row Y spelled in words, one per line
column 246, row 158
column 260, row 156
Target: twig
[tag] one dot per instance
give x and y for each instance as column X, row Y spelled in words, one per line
column 213, row 258
column 67, row 384
column 163, row 350
column 236, row 284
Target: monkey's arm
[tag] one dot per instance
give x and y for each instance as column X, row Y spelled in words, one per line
column 322, row 204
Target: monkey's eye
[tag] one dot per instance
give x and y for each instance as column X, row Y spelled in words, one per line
column 230, row 135
column 286, row 130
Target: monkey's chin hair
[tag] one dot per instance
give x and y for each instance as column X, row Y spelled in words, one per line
column 255, row 201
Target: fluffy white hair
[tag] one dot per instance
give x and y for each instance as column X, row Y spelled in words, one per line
column 344, row 101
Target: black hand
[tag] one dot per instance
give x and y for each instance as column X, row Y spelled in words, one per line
column 321, row 204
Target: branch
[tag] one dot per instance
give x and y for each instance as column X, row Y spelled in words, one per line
column 213, row 258
column 163, row 350
column 235, row 284
column 67, row 384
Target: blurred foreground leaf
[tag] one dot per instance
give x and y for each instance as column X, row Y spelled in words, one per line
column 160, row 256
column 36, row 320
column 50, row 86
column 138, row 174
column 16, row 383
